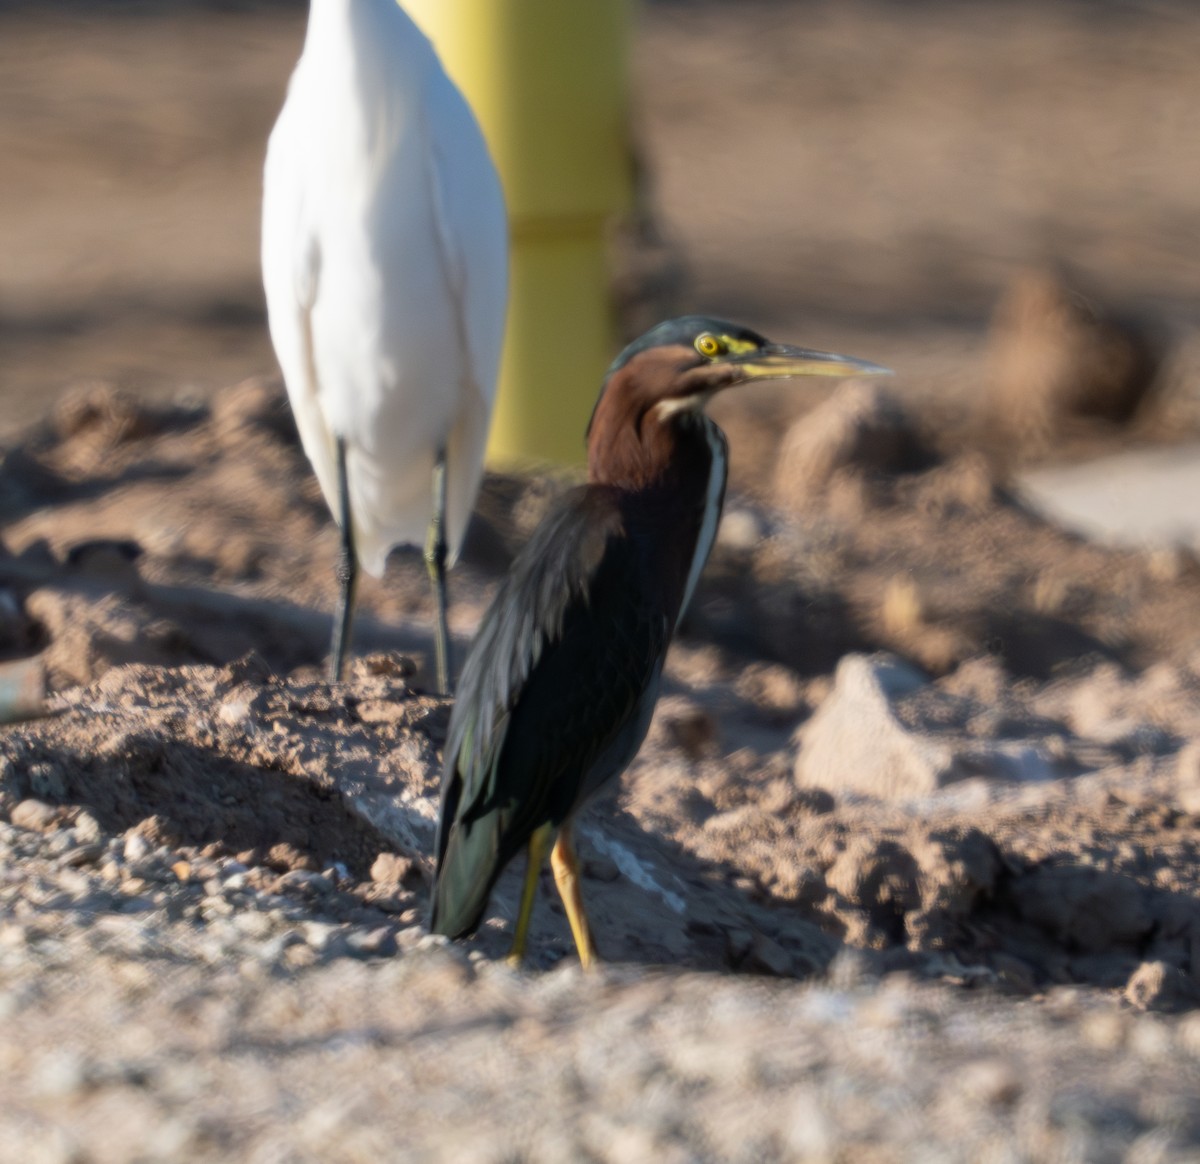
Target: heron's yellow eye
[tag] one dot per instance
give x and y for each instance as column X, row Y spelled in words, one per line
column 709, row 346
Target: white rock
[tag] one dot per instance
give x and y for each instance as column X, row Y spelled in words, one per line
column 740, row 529
column 320, row 935
column 857, row 741
column 136, row 847
column 88, row 828
column 1141, row 497
column 235, row 713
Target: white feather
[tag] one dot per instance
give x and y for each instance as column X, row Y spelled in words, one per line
column 385, row 262
column 714, row 495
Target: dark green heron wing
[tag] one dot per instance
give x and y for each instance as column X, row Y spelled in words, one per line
column 553, row 697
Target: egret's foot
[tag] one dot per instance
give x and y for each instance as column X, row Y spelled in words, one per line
column 436, row 554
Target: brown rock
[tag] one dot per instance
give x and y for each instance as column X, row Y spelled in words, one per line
column 285, row 857
column 387, row 663
column 775, row 690
column 112, row 560
column 157, row 831
column 1054, row 354
column 256, row 403
column 390, row 869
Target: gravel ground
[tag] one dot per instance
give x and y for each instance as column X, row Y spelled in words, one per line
column 152, row 1017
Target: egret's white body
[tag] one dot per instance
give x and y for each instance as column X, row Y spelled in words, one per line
column 385, row 262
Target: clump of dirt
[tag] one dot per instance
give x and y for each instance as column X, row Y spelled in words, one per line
column 1057, row 355
column 1062, row 882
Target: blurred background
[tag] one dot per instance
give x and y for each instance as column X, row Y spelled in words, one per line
column 868, row 177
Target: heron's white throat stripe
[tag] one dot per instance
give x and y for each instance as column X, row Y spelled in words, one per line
column 713, row 496
column 668, row 408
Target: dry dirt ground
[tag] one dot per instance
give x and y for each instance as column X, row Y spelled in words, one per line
column 909, row 868
column 217, row 866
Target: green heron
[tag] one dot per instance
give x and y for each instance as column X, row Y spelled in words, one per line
column 385, row 263
column 557, row 691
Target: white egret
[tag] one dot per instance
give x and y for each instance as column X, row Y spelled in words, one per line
column 385, row 262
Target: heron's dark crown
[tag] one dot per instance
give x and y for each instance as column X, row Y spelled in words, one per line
column 684, row 332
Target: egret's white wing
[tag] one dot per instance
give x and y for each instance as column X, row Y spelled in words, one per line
column 291, row 276
column 472, row 231
column 385, row 264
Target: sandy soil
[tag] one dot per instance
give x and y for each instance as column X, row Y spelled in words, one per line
column 909, row 866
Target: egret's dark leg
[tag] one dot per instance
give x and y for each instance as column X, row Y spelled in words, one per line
column 539, row 845
column 435, row 563
column 565, row 864
column 347, row 574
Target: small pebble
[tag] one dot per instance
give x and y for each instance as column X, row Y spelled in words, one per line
column 61, row 842
column 252, row 924
column 990, row 1081
column 87, row 827
column 136, row 847
column 390, row 868
column 376, row 943
column 305, row 881
column 215, row 906
column 320, row 935
column 60, row 1075
column 299, row 957
column 35, row 816
column 740, row 529
column 1106, row 1030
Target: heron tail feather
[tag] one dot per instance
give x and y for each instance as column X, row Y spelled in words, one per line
column 466, row 873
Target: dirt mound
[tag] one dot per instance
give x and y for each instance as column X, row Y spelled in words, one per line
column 1057, row 355
column 709, row 860
column 182, row 629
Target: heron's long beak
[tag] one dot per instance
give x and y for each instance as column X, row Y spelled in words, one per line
column 782, row 362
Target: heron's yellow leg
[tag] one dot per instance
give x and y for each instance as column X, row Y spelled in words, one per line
column 566, row 876
column 539, row 844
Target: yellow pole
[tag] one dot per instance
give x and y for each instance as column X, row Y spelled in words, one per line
column 548, row 80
